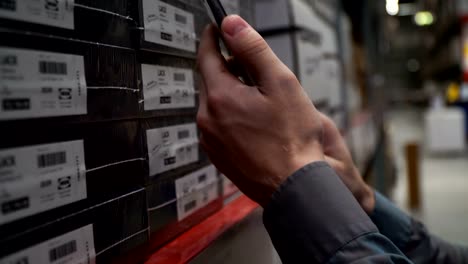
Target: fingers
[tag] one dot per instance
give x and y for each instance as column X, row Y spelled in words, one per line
column 334, row 144
column 211, row 63
column 252, row 51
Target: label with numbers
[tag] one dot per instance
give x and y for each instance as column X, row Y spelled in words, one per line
column 56, row 13
column 41, row 84
column 168, row 25
column 167, row 87
column 196, row 190
column 75, row 247
column 38, row 178
column 171, row 147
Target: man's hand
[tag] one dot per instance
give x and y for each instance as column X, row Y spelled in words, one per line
column 256, row 135
column 339, row 158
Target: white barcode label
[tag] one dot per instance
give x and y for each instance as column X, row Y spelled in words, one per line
column 168, row 25
column 41, row 84
column 75, row 247
column 195, row 191
column 56, row 13
column 310, row 70
column 167, row 87
column 38, row 178
column 171, row 147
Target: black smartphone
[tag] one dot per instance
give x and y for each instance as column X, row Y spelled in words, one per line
column 217, row 14
column 215, row 10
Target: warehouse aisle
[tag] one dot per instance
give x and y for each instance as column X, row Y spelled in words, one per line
column 444, row 180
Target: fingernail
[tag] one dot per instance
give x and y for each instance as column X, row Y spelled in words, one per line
column 234, row 24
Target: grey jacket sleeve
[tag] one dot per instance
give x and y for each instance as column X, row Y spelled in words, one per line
column 313, row 218
column 412, row 237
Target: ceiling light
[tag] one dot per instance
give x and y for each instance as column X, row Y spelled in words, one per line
column 423, row 18
column 392, row 7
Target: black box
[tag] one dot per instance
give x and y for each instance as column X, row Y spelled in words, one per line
column 169, row 85
column 102, row 233
column 106, row 89
column 95, row 21
column 170, row 26
column 176, row 203
column 93, row 162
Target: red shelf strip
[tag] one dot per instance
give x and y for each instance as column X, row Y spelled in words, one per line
column 195, row 240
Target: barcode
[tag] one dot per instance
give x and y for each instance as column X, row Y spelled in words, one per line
column 52, row 67
column 181, row 19
column 9, row 5
column 166, row 36
column 51, row 159
column 62, row 251
column 15, row 205
column 16, row 104
column 183, row 134
column 179, row 77
column 189, row 206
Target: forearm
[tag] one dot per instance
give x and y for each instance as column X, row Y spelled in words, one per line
column 412, row 237
column 314, row 218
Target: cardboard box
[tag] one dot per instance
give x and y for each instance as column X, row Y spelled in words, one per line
column 188, row 199
column 94, row 21
column 169, row 85
column 244, row 8
column 271, row 15
column 61, row 80
column 95, row 235
column 300, row 51
column 170, row 26
column 57, row 170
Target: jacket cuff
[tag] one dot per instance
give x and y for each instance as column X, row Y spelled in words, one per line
column 312, row 215
column 391, row 221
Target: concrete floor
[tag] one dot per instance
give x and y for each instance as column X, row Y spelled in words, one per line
column 444, row 180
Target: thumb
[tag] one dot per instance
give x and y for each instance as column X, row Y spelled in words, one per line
column 252, row 51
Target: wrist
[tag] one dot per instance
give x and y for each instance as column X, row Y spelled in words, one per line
column 367, row 199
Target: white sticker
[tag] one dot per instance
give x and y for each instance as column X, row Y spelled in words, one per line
column 168, row 25
column 171, row 147
column 231, row 6
column 195, row 191
column 332, row 75
column 75, row 247
column 56, row 13
column 167, row 87
column 310, row 70
column 38, row 178
column 40, row 84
